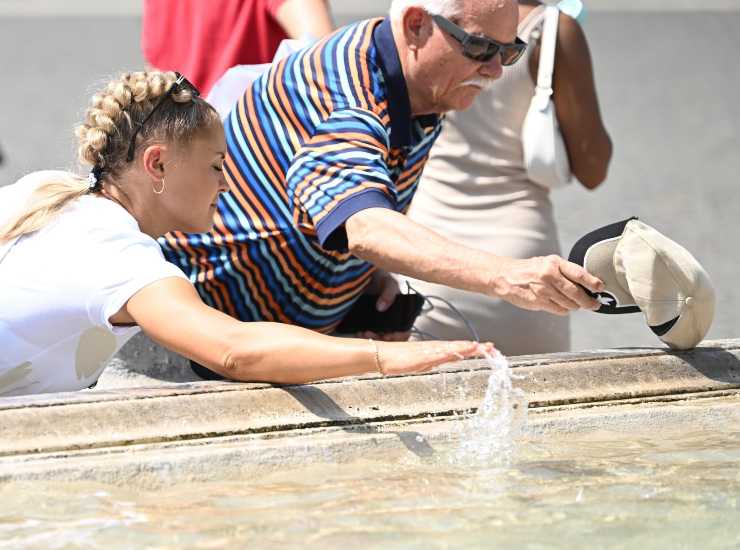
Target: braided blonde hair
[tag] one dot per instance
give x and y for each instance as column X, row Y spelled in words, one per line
column 104, row 137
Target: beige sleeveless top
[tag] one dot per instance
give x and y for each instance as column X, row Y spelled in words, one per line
column 475, row 191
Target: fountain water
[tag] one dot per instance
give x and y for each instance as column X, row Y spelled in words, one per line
column 489, row 436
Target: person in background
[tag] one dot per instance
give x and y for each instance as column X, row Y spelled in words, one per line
column 324, row 156
column 202, row 39
column 81, row 271
column 475, row 189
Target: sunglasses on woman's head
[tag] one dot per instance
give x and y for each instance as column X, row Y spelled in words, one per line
column 481, row 48
column 180, row 83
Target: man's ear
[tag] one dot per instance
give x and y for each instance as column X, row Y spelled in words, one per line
column 154, row 160
column 417, row 27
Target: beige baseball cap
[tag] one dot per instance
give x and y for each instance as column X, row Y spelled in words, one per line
column 643, row 270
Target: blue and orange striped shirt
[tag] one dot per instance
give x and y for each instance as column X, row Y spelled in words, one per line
column 325, row 133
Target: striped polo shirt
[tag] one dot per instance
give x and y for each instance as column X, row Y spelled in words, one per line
column 325, row 133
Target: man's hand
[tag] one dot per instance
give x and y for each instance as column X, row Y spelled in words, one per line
column 386, row 286
column 547, row 283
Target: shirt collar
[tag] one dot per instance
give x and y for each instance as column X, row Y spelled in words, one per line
column 399, row 105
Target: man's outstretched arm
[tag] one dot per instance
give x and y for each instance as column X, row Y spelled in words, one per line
column 393, row 242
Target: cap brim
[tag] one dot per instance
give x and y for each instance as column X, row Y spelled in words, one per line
column 595, row 252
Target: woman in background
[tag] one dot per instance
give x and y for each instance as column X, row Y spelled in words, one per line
column 475, row 188
column 204, row 38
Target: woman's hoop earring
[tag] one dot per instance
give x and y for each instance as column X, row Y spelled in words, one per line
column 160, row 190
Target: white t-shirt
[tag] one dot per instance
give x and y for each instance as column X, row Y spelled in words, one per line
column 60, row 286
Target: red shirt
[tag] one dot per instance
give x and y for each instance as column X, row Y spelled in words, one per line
column 203, row 38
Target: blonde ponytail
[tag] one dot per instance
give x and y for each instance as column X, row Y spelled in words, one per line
column 46, row 201
column 104, row 136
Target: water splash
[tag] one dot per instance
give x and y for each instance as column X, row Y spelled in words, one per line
column 490, row 435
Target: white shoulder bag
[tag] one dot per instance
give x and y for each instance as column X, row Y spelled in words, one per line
column 545, row 156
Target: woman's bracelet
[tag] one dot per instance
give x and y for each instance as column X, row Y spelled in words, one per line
column 378, row 364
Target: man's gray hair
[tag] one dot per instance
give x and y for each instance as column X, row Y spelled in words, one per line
column 448, row 8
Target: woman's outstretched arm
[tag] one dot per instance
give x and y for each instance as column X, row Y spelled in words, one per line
column 171, row 313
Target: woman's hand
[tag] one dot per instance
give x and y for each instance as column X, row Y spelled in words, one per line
column 414, row 357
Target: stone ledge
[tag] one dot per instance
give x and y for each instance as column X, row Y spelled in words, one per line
column 245, row 457
column 59, row 423
column 144, row 363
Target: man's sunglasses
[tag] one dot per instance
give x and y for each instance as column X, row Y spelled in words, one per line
column 180, row 83
column 481, row 48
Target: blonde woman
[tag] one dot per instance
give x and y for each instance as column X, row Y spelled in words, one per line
column 81, row 271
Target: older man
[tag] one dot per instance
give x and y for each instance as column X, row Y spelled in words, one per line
column 324, row 155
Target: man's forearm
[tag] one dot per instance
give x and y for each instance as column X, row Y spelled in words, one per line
column 397, row 244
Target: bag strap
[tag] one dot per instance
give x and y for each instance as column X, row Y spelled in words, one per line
column 547, row 50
